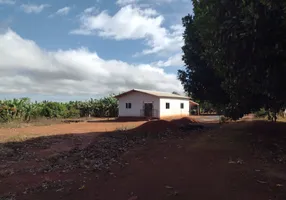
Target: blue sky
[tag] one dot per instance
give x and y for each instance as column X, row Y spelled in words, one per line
column 70, row 49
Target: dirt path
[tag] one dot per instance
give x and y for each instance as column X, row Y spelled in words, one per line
column 214, row 164
column 63, row 129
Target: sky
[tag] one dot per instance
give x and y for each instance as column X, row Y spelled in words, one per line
column 75, row 50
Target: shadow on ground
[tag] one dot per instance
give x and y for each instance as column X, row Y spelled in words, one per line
column 55, row 156
column 156, row 160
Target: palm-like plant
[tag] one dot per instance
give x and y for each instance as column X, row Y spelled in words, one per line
column 23, row 109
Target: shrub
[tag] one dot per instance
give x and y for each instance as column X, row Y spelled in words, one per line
column 262, row 113
column 223, row 119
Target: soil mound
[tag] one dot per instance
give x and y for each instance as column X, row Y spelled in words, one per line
column 183, row 121
column 157, row 126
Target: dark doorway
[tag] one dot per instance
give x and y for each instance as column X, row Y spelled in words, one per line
column 148, row 108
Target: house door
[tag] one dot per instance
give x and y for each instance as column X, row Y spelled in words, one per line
column 148, row 108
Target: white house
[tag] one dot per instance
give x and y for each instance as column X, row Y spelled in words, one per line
column 152, row 104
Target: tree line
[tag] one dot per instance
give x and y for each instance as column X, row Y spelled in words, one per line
column 25, row 110
column 235, row 55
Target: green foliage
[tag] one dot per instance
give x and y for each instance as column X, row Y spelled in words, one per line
column 234, row 53
column 207, row 107
column 223, row 119
column 262, row 113
column 25, row 110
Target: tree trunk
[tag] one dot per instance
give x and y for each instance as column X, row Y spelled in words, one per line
column 269, row 115
column 275, row 116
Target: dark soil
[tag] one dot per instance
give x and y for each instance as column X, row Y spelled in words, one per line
column 157, row 160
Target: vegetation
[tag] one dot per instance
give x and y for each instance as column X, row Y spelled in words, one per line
column 262, row 113
column 25, row 110
column 234, row 55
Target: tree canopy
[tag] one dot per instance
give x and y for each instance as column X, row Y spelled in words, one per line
column 235, row 55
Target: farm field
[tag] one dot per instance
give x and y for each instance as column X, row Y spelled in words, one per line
column 164, row 159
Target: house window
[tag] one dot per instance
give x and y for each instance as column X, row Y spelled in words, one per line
column 182, row 105
column 128, row 105
column 167, row 105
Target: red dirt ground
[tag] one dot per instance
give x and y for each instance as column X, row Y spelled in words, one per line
column 60, row 129
column 212, row 164
column 8, row 134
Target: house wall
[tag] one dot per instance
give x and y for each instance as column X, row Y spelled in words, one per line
column 175, row 107
column 137, row 100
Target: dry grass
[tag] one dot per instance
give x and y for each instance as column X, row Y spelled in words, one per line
column 38, row 122
column 47, row 122
column 281, row 119
column 18, row 138
column 124, row 128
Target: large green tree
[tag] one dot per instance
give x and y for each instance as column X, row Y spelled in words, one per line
column 234, row 53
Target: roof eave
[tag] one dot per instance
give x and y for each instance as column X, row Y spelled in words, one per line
column 134, row 90
column 186, row 98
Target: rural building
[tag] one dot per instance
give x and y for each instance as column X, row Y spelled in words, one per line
column 152, row 104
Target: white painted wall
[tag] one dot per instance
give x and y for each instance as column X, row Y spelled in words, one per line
column 175, row 107
column 137, row 100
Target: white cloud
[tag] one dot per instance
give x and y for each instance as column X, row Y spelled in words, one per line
column 174, row 61
column 27, row 69
column 132, row 22
column 158, row 2
column 62, row 11
column 126, row 2
column 90, row 10
column 9, row 2
column 33, row 8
